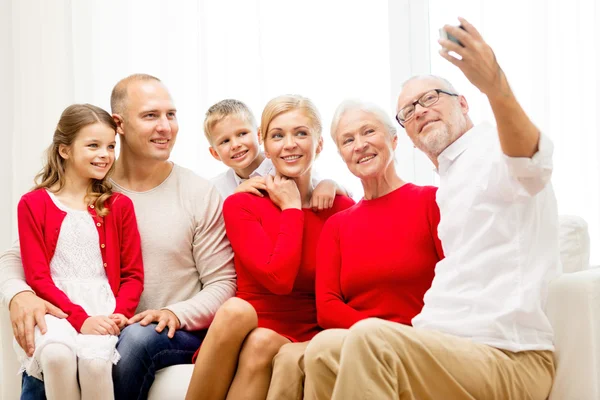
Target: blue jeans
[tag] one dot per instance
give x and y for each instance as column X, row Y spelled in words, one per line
column 32, row 388
column 143, row 352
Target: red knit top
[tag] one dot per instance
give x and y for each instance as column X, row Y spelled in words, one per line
column 275, row 260
column 377, row 258
column 39, row 221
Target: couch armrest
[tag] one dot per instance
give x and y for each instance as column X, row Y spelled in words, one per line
column 574, row 311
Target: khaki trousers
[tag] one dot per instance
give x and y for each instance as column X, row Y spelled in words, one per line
column 287, row 380
column 378, row 359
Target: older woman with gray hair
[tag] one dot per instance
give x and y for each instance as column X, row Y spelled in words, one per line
column 375, row 259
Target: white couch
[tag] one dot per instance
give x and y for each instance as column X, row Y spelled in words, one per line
column 573, row 308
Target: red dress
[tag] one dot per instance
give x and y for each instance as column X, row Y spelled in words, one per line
column 275, row 260
column 377, row 259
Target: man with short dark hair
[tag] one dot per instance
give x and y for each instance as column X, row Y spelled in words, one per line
column 188, row 261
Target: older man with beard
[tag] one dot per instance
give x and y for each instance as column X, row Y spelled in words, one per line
column 482, row 333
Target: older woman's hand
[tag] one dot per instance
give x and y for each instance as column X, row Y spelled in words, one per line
column 283, row 192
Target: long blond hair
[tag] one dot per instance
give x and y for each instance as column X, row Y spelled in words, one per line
column 72, row 120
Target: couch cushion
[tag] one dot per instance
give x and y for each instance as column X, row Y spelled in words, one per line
column 171, row 382
column 574, row 243
column 573, row 309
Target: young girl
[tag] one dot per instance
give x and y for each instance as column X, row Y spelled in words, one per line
column 274, row 239
column 81, row 252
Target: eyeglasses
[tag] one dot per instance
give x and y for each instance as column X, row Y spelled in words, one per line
column 427, row 100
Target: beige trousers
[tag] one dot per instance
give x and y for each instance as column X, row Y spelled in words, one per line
column 287, row 380
column 378, row 359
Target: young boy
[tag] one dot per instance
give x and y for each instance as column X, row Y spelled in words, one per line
column 232, row 133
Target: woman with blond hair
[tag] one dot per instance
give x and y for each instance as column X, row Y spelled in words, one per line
column 274, row 239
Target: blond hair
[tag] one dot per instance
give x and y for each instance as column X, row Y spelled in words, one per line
column 72, row 120
column 290, row 102
column 225, row 108
column 118, row 95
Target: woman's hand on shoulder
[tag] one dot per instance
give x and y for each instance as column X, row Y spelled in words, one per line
column 283, row 192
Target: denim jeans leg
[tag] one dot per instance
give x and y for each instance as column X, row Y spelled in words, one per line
column 143, row 352
column 32, row 388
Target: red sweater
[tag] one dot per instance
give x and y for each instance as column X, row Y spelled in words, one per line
column 377, row 258
column 39, row 222
column 275, row 260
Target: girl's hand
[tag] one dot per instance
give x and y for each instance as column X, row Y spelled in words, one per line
column 283, row 192
column 100, row 325
column 119, row 319
column 253, row 185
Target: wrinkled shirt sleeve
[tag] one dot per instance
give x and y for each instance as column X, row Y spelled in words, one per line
column 533, row 174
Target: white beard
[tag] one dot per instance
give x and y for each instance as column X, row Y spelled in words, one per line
column 435, row 141
column 438, row 139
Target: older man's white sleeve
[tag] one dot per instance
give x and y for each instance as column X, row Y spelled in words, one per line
column 214, row 261
column 12, row 277
column 533, row 173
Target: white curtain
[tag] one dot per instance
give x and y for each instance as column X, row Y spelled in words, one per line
column 59, row 52
column 62, row 52
column 54, row 53
column 550, row 51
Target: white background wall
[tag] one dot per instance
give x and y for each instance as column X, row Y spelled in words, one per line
column 6, row 130
column 54, row 53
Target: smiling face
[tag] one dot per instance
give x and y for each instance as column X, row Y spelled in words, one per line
column 291, row 143
column 149, row 124
column 235, row 143
column 92, row 153
column 434, row 128
column 365, row 144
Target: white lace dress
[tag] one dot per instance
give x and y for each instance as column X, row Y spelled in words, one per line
column 76, row 269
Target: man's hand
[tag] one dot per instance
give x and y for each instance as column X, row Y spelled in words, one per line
column 323, row 195
column 253, row 185
column 478, row 62
column 519, row 137
column 119, row 319
column 100, row 325
column 26, row 311
column 165, row 318
column 283, row 192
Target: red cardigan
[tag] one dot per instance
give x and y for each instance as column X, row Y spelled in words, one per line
column 39, row 221
column 377, row 259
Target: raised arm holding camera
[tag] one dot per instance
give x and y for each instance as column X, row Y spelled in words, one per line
column 482, row 333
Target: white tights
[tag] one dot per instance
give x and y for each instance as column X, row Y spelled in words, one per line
column 60, row 366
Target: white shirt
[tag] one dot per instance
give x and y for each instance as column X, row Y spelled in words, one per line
column 228, row 181
column 499, row 231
